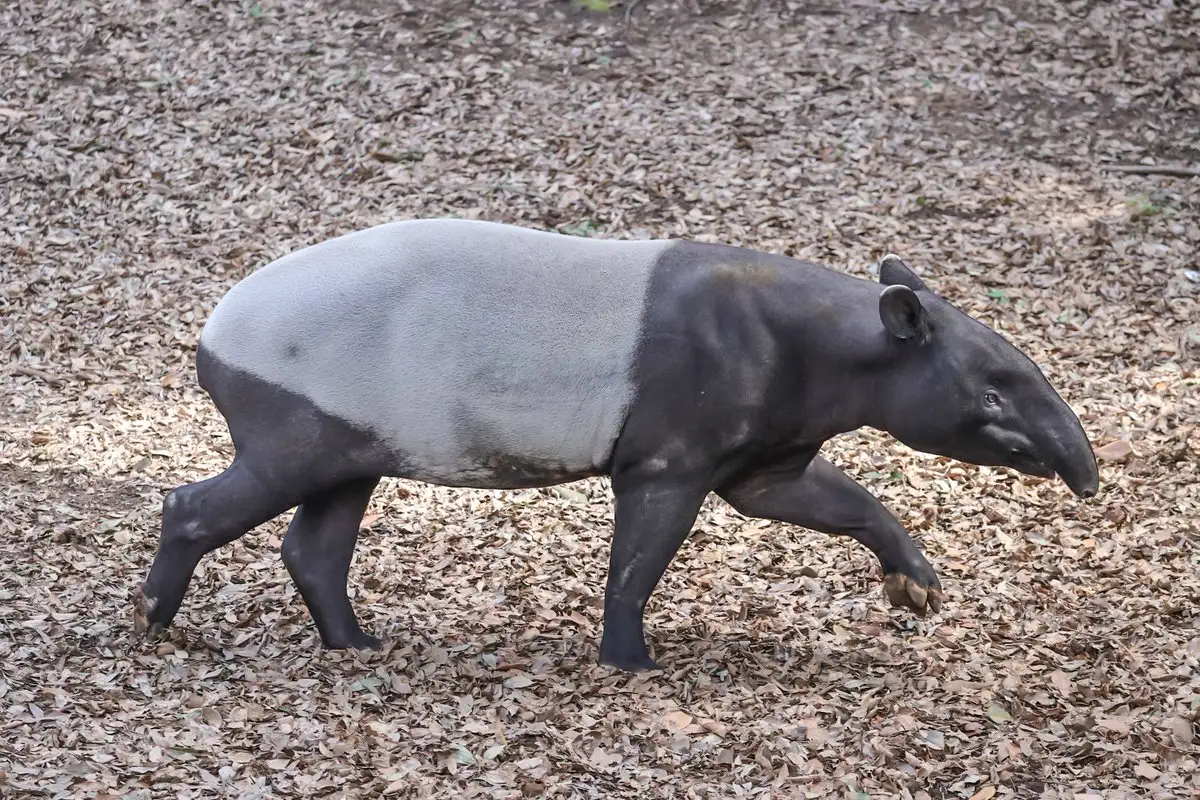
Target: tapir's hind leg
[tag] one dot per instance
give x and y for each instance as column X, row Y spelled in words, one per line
column 317, row 552
column 197, row 519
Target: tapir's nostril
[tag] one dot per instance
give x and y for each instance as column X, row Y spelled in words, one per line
column 1086, row 493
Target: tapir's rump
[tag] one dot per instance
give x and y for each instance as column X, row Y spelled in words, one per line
column 453, row 341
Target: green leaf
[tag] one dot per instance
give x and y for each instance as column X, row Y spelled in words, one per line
column 368, row 683
column 584, row 228
column 462, row 755
column 997, row 714
column 594, row 5
column 571, row 495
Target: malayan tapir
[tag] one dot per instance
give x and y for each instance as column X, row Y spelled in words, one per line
column 478, row 354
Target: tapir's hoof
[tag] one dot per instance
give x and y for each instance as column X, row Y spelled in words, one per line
column 901, row 590
column 356, row 641
column 646, row 664
column 628, row 661
column 142, row 608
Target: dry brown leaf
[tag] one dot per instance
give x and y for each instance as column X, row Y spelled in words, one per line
column 1061, row 682
column 1114, row 451
column 1181, row 730
column 1145, row 770
column 1116, row 725
column 676, row 720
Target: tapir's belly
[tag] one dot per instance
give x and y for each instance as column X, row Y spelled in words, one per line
column 480, row 354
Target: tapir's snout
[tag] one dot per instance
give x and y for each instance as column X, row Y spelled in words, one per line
column 1071, row 456
column 1077, row 471
column 1081, row 474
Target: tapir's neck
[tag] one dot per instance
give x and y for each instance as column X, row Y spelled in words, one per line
column 843, row 365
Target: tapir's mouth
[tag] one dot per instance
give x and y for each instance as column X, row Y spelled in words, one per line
column 1030, row 464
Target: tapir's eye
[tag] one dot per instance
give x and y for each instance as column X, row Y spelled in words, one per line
column 991, row 398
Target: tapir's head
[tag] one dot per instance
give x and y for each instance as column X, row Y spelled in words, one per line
column 961, row 390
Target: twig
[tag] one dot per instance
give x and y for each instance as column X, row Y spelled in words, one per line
column 1148, row 169
column 44, row 377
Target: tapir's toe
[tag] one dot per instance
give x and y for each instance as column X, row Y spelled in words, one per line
column 909, row 592
column 142, row 608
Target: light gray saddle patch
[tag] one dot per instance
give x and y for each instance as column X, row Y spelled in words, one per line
column 470, row 347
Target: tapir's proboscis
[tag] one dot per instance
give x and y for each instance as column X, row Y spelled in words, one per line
column 485, row 355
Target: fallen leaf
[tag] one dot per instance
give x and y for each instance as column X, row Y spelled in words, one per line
column 934, row 739
column 1061, row 682
column 1114, row 451
column 1145, row 770
column 997, row 713
column 1114, row 725
column 676, row 720
column 1181, row 730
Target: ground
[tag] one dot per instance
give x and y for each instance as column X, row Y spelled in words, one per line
column 155, row 152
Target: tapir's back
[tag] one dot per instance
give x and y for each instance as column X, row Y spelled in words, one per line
column 458, row 343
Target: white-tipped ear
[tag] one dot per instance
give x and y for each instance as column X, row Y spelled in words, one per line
column 894, row 272
column 902, row 314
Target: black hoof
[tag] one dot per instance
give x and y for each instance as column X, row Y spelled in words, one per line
column 922, row 596
column 355, row 641
column 629, row 662
column 144, row 607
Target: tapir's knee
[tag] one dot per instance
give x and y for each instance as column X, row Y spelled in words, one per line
column 213, row 511
column 182, row 515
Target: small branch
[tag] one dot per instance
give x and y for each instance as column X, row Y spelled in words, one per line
column 1148, row 169
column 31, row 372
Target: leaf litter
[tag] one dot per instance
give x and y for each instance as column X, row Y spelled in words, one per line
column 155, row 152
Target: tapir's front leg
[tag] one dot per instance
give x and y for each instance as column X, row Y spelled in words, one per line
column 825, row 499
column 653, row 517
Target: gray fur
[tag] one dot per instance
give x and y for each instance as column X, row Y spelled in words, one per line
column 464, row 346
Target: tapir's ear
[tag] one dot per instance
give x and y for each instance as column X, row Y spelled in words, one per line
column 903, row 315
column 894, row 272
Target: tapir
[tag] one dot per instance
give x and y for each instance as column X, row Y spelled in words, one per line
column 478, row 354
